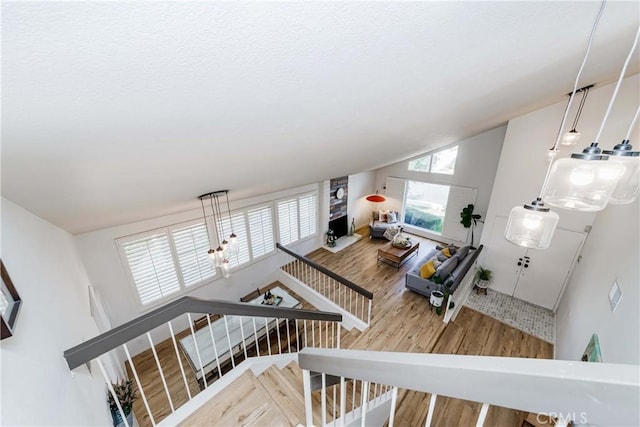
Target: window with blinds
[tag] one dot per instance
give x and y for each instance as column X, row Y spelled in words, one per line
column 307, row 209
column 192, row 244
column 240, row 254
column 288, row 221
column 152, row 267
column 261, row 231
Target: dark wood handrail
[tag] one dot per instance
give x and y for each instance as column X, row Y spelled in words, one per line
column 348, row 283
column 89, row 350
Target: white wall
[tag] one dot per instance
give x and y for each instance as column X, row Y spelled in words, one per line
column 611, row 253
column 100, row 255
column 476, row 166
column 523, row 162
column 37, row 386
column 360, row 186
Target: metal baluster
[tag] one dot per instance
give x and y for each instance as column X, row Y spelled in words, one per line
column 326, row 333
column 334, row 405
column 369, row 316
column 255, row 335
column 313, row 334
column 164, row 382
column 297, row 336
column 392, row 411
column 278, row 333
column 213, row 343
column 306, row 343
column 195, row 343
column 323, row 399
column 483, row 415
column 343, row 398
column 432, row 405
column 288, row 335
column 308, row 403
column 351, row 301
column 365, row 394
column 244, row 343
column 320, row 333
column 333, row 334
column 362, row 308
column 113, row 392
column 175, row 347
column 226, row 326
column 266, row 328
column 144, row 397
column 354, row 384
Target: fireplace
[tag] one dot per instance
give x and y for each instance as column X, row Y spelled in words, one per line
column 340, row 226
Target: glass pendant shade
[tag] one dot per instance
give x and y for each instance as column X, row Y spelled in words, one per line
column 225, row 269
column 531, row 226
column 583, row 182
column 551, row 153
column 224, row 244
column 219, row 256
column 629, row 184
column 212, row 258
column 233, row 239
column 570, row 138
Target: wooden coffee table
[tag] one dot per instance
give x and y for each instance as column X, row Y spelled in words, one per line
column 391, row 255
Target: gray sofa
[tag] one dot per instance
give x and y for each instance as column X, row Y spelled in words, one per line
column 377, row 227
column 452, row 270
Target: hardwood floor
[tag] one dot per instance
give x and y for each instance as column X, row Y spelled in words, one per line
column 401, row 321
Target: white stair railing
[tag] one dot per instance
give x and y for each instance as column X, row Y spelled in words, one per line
column 211, row 350
column 595, row 393
column 350, row 297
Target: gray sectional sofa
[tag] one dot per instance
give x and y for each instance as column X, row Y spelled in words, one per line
column 451, row 270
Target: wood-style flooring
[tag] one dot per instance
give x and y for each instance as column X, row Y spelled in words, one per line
column 401, row 321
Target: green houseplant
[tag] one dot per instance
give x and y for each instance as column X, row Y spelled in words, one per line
column 483, row 277
column 469, row 219
column 126, row 396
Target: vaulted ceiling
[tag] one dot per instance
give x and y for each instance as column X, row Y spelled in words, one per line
column 119, row 111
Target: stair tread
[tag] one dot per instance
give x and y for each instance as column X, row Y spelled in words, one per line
column 289, row 400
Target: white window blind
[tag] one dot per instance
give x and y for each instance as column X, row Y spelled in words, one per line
column 288, row 221
column 261, row 231
column 240, row 255
column 192, row 244
column 308, row 210
column 152, row 268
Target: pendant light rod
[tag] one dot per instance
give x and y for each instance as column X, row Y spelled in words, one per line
column 615, row 91
column 573, row 93
column 566, row 109
column 585, row 93
column 633, row 122
column 213, row 210
column 206, row 224
column 226, row 193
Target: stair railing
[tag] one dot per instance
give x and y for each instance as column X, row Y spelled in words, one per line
column 593, row 393
column 347, row 295
column 211, row 351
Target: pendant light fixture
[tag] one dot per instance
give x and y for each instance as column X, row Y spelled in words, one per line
column 573, row 136
column 585, row 181
column 533, row 225
column 629, row 184
column 218, row 257
column 233, row 239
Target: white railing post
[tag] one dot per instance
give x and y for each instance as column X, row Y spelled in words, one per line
column 483, row 415
column 255, row 335
column 164, row 382
column 365, row 399
column 175, row 347
column 278, row 334
column 215, row 348
column 432, row 406
column 343, row 398
column 392, row 410
column 113, row 392
column 226, row 327
column 266, row 328
column 308, row 409
column 195, row 343
column 323, row 399
column 288, row 335
column 244, row 342
column 369, row 316
column 339, row 327
column 144, row 397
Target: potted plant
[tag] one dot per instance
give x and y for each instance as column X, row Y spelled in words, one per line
column 436, row 299
column 483, row 277
column 469, row 219
column 126, row 395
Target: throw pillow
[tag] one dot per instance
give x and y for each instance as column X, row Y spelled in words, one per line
column 392, row 217
column 383, row 216
column 446, row 252
column 427, row 270
column 462, row 252
column 436, row 262
column 441, row 256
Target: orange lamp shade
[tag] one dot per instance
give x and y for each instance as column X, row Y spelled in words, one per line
column 376, row 198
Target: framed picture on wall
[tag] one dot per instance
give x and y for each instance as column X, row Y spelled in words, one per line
column 9, row 303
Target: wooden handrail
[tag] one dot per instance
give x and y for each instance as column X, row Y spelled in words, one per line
column 348, row 283
column 89, row 350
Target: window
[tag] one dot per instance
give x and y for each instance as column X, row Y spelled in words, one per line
column 192, row 244
column 240, row 255
column 288, row 221
column 425, row 205
column 297, row 218
column 445, row 161
column 423, row 164
column 152, row 268
column 261, row 231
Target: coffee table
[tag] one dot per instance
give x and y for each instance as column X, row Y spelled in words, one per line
column 395, row 257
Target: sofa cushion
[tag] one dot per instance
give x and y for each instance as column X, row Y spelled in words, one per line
column 462, row 252
column 392, row 217
column 427, row 270
column 447, row 267
column 383, row 216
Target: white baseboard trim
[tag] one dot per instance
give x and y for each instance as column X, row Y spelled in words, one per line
column 256, row 364
column 349, row 321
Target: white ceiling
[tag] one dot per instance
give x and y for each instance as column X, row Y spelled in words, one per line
column 120, row 111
